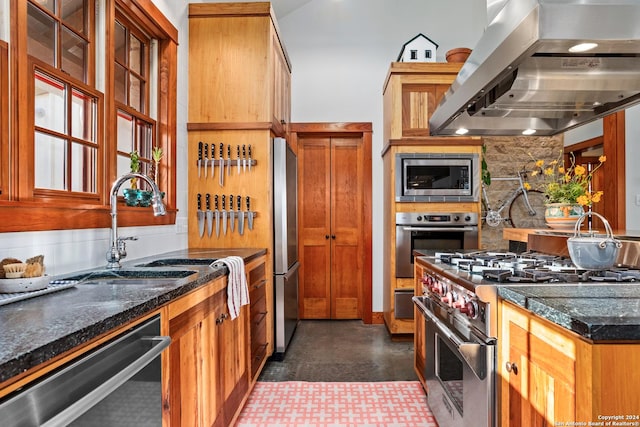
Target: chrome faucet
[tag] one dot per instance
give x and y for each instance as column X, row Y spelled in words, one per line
column 118, row 249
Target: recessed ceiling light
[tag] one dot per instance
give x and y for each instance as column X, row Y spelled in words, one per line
column 582, row 47
column 462, row 131
column 528, row 131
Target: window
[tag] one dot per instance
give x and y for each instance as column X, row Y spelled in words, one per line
column 427, row 54
column 414, row 54
column 79, row 109
column 136, row 129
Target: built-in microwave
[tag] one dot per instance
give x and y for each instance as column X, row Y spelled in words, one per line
column 437, row 177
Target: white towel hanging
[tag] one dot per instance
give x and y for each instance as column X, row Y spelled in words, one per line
column 237, row 289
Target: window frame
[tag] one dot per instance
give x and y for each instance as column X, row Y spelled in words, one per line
column 23, row 210
column 4, row 120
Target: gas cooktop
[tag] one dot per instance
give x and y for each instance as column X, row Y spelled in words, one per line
column 531, row 267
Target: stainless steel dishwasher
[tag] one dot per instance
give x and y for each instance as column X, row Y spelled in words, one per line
column 117, row 384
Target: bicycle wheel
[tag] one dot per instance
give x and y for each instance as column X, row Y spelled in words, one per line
column 519, row 216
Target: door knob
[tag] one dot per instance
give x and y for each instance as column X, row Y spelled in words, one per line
column 512, row 367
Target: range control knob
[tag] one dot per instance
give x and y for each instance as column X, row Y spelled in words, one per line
column 419, row 218
column 447, row 298
column 456, row 218
column 467, row 218
column 470, row 309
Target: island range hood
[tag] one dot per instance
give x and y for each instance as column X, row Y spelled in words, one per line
column 522, row 77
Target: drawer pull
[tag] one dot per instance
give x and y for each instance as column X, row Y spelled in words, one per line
column 260, row 284
column 512, row 367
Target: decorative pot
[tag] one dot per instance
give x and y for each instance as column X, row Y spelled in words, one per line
column 459, row 54
column 562, row 216
column 131, row 196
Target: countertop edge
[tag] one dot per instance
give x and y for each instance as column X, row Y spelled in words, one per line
column 22, row 362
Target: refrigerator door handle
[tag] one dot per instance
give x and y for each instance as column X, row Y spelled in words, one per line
column 294, row 268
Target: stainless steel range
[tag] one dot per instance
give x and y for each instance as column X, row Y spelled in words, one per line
column 459, row 306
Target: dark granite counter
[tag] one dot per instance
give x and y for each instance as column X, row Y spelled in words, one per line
column 36, row 330
column 596, row 312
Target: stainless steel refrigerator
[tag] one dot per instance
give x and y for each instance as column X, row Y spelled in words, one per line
column 285, row 248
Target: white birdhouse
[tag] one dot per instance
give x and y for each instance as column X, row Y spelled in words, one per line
column 419, row 49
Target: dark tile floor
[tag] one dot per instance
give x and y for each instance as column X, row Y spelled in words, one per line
column 342, row 350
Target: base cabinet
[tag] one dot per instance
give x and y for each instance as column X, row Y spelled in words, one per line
column 552, row 377
column 207, row 369
column 258, row 312
column 419, row 348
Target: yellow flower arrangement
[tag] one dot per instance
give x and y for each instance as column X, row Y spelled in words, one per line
column 566, row 185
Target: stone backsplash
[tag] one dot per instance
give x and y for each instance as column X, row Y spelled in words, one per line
column 505, row 156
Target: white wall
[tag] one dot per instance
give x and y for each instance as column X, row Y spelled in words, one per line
column 340, row 53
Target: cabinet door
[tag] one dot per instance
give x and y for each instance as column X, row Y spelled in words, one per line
column 258, row 314
column 194, row 396
column 314, row 179
column 233, row 375
column 346, row 228
column 281, row 86
column 331, row 178
column 538, row 372
column 419, row 101
column 419, row 352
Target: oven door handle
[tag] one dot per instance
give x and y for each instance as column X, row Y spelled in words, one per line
column 475, row 354
column 464, row 229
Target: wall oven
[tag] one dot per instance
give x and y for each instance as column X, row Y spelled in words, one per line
column 118, row 384
column 443, row 231
column 437, row 177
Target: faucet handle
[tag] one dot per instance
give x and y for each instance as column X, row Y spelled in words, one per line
column 121, row 239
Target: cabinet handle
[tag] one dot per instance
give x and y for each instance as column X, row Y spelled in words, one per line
column 333, row 236
column 261, row 284
column 326, row 236
column 221, row 319
column 262, row 314
column 512, row 367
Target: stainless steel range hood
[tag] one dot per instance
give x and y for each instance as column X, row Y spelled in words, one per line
column 521, row 75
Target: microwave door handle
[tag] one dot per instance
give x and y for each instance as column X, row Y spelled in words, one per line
column 438, row 228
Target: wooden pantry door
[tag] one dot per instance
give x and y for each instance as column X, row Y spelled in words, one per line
column 334, row 178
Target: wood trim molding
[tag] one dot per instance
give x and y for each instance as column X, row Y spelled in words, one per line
column 195, row 126
column 4, row 120
column 613, row 127
column 431, row 141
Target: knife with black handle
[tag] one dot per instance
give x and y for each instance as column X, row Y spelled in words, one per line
column 224, row 214
column 199, row 157
column 240, row 216
column 250, row 214
column 201, row 215
column 216, row 213
column 205, row 158
column 232, row 214
column 221, row 160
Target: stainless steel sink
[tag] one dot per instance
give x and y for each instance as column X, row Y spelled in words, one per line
column 149, row 277
column 167, row 262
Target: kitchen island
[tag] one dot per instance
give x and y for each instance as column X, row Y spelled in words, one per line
column 41, row 334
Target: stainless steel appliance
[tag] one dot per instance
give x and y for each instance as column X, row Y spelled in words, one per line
column 285, row 250
column 528, row 71
column 422, row 231
column 437, row 177
column 118, row 384
column 459, row 306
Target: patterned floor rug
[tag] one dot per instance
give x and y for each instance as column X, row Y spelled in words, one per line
column 337, row 404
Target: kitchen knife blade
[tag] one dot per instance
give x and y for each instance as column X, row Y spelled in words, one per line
column 249, row 159
column 221, row 160
column 199, row 157
column 250, row 214
column 206, row 158
column 232, row 214
column 216, row 213
column 240, row 216
column 200, row 214
column 209, row 214
column 229, row 159
column 244, row 158
column 213, row 162
column 224, row 214
column 238, row 160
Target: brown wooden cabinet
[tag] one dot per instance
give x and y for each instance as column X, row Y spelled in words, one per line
column 549, row 376
column 258, row 343
column 419, row 348
column 208, row 376
column 239, row 95
column 411, row 93
column 334, row 177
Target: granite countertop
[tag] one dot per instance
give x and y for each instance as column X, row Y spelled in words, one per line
column 596, row 312
column 36, row 330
